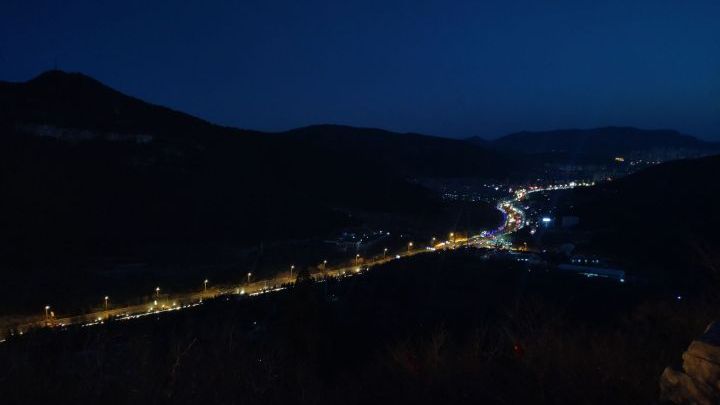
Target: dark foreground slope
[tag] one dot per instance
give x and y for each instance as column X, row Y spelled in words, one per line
column 663, row 220
column 446, row 328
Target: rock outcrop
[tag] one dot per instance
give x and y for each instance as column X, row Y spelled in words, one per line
column 699, row 381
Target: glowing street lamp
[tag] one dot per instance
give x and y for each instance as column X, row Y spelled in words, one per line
column 205, row 285
column 357, row 258
column 410, row 245
column 324, row 264
column 291, row 271
column 452, row 237
column 157, row 292
column 384, row 252
column 249, row 275
column 47, row 308
column 106, row 302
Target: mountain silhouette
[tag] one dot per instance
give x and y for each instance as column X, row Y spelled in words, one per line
column 598, row 142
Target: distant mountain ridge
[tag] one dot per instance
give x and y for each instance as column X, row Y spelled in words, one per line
column 605, row 141
column 410, row 154
column 72, row 101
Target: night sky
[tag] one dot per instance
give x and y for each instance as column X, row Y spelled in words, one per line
column 450, row 68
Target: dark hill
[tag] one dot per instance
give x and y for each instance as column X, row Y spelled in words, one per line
column 409, row 154
column 73, row 100
column 663, row 219
column 605, row 142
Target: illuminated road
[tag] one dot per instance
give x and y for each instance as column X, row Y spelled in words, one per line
column 514, row 219
column 165, row 303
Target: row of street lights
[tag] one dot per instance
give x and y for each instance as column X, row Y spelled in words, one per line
column 49, row 313
column 409, row 247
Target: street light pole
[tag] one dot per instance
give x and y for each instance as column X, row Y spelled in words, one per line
column 205, row 285
column 47, row 308
column 249, row 275
column 410, row 245
column 384, row 252
column 292, row 267
column 157, row 292
column 106, row 302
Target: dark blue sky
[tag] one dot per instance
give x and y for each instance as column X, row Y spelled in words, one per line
column 451, row 68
